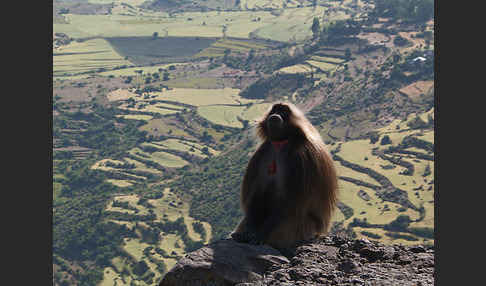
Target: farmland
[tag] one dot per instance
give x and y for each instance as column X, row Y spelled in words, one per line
column 164, row 250
column 411, row 177
column 230, row 115
column 92, row 55
column 155, row 107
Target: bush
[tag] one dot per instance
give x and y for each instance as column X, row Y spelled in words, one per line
column 399, row 224
column 140, row 268
column 427, row 171
column 385, row 140
column 370, row 234
column 400, row 41
column 417, row 123
column 374, row 137
column 425, row 232
column 402, row 236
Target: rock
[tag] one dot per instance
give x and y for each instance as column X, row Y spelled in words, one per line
column 330, row 260
column 224, row 262
column 348, row 266
column 417, row 249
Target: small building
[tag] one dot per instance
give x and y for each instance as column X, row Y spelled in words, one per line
column 419, row 60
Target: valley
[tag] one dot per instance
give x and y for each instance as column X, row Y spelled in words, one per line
column 154, row 105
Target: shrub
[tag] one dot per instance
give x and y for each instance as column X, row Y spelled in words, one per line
column 385, row 140
column 400, row 41
column 425, row 232
column 370, row 234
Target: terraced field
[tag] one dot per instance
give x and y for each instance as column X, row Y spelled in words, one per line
column 169, row 247
column 88, row 56
column 160, row 127
column 200, row 97
column 279, row 25
column 298, row 68
column 232, row 116
column 170, row 153
column 191, row 120
column 162, row 158
column 132, row 71
column 217, row 48
column 321, row 64
column 368, row 171
column 184, row 146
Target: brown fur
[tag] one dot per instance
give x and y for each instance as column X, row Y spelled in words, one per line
column 310, row 201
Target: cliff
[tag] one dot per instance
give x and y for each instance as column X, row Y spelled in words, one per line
column 331, row 260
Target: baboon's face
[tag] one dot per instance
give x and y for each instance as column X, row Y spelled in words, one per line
column 277, row 122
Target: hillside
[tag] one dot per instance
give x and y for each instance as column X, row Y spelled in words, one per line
column 154, row 104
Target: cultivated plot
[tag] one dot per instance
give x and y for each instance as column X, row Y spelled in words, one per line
column 232, row 116
column 87, row 56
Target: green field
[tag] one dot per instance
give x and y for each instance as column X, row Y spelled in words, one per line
column 146, row 70
column 374, row 209
column 298, row 68
column 184, row 146
column 286, row 25
column 139, row 167
column 322, row 65
column 386, row 239
column 87, row 56
column 159, row 127
column 161, row 158
column 120, row 183
column 102, row 166
column 124, row 41
column 168, row 208
column 111, row 276
column 208, row 24
column 327, row 59
column 291, row 24
column 217, row 48
column 228, row 115
column 200, row 97
column 196, row 82
column 136, row 117
column 260, row 4
column 157, row 108
column 418, row 188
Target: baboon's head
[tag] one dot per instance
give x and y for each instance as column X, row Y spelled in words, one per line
column 284, row 121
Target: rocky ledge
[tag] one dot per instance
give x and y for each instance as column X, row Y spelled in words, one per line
column 331, row 260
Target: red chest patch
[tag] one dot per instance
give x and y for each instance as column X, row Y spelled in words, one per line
column 272, row 168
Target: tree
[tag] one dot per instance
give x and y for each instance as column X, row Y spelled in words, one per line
column 225, row 28
column 347, row 54
column 166, row 76
column 399, row 224
column 315, row 28
column 205, row 150
column 427, row 171
column 385, row 140
column 250, row 57
column 226, row 54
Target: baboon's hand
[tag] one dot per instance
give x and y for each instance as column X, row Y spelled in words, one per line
column 247, row 237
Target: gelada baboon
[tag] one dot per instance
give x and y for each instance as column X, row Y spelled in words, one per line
column 289, row 190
